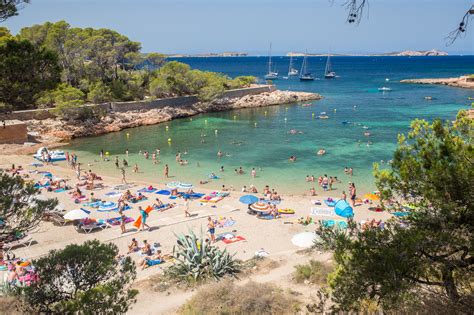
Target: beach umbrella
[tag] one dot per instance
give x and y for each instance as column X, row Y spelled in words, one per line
column 343, row 209
column 372, row 197
column 260, row 207
column 305, row 239
column 77, row 214
column 107, row 206
column 248, row 199
column 185, row 185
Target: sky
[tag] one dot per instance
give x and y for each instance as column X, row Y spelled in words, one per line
column 202, row 26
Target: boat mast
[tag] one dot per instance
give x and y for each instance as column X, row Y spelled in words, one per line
column 328, row 65
column 270, row 59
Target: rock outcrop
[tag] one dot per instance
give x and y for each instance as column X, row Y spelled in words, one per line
column 52, row 130
column 466, row 82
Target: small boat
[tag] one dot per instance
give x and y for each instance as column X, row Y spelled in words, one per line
column 292, row 72
column 365, row 127
column 367, row 134
column 307, row 104
column 323, row 117
column 428, row 98
column 271, row 74
column 328, row 73
column 384, row 89
column 322, row 113
column 304, row 74
column 55, row 156
column 387, row 79
column 321, row 152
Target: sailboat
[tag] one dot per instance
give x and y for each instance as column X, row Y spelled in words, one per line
column 328, row 73
column 291, row 70
column 304, row 74
column 271, row 74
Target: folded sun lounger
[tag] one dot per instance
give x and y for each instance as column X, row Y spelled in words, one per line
column 323, row 212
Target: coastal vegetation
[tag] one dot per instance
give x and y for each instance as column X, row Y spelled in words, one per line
column 20, row 208
column 227, row 297
column 315, row 272
column 54, row 64
column 197, row 260
column 424, row 260
column 86, row 278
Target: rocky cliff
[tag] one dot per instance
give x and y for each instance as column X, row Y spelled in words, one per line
column 51, row 130
column 462, row 82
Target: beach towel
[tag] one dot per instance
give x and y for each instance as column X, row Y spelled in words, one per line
column 113, row 194
column 164, row 192
column 60, row 190
column 338, row 223
column 323, row 212
column 233, row 240
column 116, row 221
column 101, row 209
column 266, row 217
column 138, row 222
column 147, row 190
column 330, row 202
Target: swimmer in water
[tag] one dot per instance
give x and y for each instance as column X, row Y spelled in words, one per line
column 254, row 173
column 292, row 158
column 219, row 153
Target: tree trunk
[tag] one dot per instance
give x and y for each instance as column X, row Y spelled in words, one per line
column 449, row 285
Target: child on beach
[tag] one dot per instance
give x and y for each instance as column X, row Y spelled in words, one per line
column 166, row 171
column 135, row 168
column 211, row 228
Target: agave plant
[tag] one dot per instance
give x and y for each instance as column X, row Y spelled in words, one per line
column 197, row 260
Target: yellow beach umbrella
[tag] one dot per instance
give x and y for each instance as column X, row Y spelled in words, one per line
column 372, row 197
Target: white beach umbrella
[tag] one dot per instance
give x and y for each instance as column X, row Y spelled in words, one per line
column 185, row 185
column 77, row 214
column 173, row 185
column 305, row 239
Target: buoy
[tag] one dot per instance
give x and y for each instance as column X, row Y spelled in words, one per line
column 205, row 121
column 255, row 124
column 335, row 110
column 215, row 131
column 169, row 139
column 265, row 113
column 312, row 114
column 107, row 153
column 190, row 119
column 286, row 108
column 285, row 118
column 235, row 117
column 128, row 135
column 166, row 128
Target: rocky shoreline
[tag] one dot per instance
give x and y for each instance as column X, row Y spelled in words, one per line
column 49, row 131
column 463, row 82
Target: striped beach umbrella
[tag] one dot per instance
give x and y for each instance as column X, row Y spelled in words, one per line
column 185, row 185
column 260, row 207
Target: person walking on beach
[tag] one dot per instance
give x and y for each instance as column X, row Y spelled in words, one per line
column 144, row 217
column 101, row 154
column 166, row 171
column 126, row 152
column 124, row 181
column 211, row 227
column 186, row 208
column 78, row 171
column 352, row 192
column 117, row 162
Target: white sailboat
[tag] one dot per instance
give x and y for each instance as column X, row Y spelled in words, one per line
column 291, row 70
column 304, row 74
column 271, row 74
column 328, row 73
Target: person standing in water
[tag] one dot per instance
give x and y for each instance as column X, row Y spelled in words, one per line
column 166, row 171
column 116, row 162
column 254, row 172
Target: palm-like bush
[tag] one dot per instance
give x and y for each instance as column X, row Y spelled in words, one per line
column 196, row 260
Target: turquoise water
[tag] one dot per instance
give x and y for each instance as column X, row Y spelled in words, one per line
column 259, row 138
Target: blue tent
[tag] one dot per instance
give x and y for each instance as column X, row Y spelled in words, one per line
column 343, row 209
column 248, row 199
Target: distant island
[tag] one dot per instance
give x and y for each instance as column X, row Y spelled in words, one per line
column 207, row 55
column 411, row 53
column 416, row 53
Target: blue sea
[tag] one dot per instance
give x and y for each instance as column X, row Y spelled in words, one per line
column 258, row 138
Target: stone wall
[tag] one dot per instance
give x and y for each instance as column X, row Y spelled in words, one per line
column 13, row 132
column 41, row 114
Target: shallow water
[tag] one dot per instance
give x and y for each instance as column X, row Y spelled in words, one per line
column 259, row 137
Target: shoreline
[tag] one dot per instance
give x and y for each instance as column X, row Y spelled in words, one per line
column 465, row 82
column 53, row 132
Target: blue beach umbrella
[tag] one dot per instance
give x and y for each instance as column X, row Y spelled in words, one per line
column 248, row 199
column 343, row 209
column 163, row 192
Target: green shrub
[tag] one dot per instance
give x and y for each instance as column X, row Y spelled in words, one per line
column 315, row 272
column 99, row 93
column 198, row 261
column 251, row 298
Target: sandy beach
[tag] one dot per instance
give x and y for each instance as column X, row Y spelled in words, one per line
column 274, row 236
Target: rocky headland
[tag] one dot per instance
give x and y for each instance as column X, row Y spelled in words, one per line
column 466, row 82
column 55, row 130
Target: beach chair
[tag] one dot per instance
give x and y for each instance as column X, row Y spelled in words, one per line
column 88, row 228
column 22, row 242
